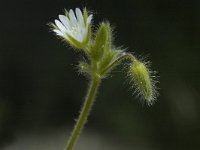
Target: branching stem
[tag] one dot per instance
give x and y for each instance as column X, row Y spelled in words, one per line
column 93, row 87
column 117, row 60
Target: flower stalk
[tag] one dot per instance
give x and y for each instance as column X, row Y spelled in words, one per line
column 82, row 119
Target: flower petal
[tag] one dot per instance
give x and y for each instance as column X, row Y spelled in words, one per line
column 60, row 26
column 58, row 32
column 65, row 21
column 79, row 16
column 72, row 17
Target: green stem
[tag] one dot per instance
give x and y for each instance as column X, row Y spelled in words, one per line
column 94, row 84
column 117, row 60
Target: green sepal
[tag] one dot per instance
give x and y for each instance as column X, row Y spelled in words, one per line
column 85, row 15
column 108, row 46
column 80, row 45
column 101, row 43
column 74, row 43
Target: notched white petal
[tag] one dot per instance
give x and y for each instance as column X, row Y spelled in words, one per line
column 72, row 17
column 65, row 21
column 58, row 32
column 79, row 16
column 60, row 25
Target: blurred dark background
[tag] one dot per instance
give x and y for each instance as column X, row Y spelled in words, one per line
column 41, row 89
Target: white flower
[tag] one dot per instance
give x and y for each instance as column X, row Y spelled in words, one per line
column 73, row 26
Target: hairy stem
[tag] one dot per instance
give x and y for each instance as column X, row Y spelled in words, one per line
column 117, row 60
column 89, row 100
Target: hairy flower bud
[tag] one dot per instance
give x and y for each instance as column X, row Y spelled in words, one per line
column 142, row 80
column 102, row 42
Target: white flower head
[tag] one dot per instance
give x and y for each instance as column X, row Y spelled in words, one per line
column 74, row 26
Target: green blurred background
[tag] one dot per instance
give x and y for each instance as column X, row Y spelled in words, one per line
column 41, row 91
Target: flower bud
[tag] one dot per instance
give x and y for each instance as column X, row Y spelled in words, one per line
column 102, row 42
column 142, row 80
